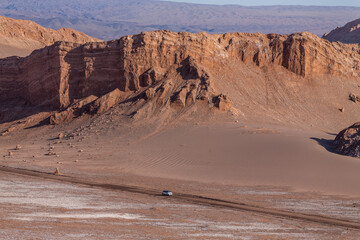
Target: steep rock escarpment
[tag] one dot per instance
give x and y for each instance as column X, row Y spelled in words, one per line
column 160, row 69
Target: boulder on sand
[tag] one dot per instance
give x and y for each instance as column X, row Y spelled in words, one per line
column 347, row 142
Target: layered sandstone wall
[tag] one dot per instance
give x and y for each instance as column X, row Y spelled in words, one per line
column 34, row 79
column 57, row 75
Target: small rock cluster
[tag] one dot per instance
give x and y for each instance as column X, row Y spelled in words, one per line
column 354, row 98
column 51, row 151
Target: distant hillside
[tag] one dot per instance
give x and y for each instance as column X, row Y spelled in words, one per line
column 111, row 19
column 20, row 37
column 350, row 33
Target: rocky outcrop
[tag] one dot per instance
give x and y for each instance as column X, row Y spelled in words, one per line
column 198, row 85
column 222, row 102
column 21, row 37
column 162, row 68
column 90, row 104
column 104, row 103
column 73, row 111
column 347, row 142
column 349, row 33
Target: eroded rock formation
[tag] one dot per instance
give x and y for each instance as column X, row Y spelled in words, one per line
column 160, row 69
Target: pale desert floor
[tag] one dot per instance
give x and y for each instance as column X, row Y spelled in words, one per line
column 33, row 208
column 267, row 166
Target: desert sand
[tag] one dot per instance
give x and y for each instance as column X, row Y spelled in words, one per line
column 230, row 154
column 270, row 167
column 33, row 208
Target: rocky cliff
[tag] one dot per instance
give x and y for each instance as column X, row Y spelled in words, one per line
column 21, row 37
column 349, row 33
column 165, row 69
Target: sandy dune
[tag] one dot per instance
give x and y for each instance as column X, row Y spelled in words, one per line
column 258, row 156
column 230, row 154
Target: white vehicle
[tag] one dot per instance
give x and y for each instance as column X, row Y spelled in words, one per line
column 166, row 193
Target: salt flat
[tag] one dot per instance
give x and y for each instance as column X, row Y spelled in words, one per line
column 33, row 208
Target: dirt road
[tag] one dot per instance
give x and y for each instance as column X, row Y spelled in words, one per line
column 194, row 199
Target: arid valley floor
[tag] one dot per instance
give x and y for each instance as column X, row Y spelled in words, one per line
column 110, row 189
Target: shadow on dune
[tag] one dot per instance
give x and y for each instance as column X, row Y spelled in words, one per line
column 326, row 143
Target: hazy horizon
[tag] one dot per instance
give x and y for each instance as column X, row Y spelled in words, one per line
column 349, row 3
column 122, row 18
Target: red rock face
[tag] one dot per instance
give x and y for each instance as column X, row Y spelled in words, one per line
column 170, row 66
column 34, row 79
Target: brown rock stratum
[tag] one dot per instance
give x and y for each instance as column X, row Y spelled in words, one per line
column 349, row 33
column 21, row 37
column 347, row 142
column 289, row 78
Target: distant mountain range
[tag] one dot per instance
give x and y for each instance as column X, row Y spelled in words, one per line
column 111, row 19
